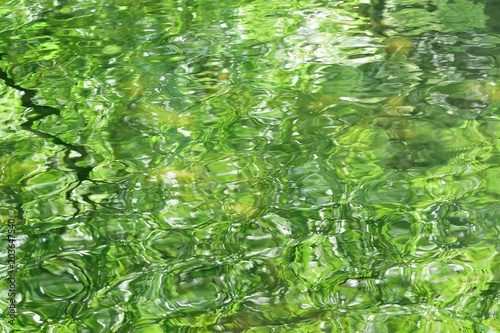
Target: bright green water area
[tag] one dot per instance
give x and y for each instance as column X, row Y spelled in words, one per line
column 251, row 166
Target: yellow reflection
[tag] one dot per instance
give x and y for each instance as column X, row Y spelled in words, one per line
column 170, row 173
column 242, row 209
column 322, row 102
column 494, row 92
column 165, row 117
column 13, row 171
column 157, row 115
column 132, row 89
column 398, row 45
column 396, row 105
column 482, row 91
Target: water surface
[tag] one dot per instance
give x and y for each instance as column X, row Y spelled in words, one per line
column 252, row 166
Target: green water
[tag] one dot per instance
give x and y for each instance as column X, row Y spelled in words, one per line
column 250, row 166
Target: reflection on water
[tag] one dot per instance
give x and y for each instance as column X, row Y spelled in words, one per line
column 256, row 167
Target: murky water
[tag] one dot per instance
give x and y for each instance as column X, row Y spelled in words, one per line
column 189, row 166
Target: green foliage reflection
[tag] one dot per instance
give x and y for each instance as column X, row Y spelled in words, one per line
column 260, row 166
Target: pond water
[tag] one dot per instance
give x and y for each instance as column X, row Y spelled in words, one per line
column 250, row 166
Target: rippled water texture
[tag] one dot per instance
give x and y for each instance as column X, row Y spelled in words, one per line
column 251, row 166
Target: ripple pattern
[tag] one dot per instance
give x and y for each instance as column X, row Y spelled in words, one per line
column 251, row 167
